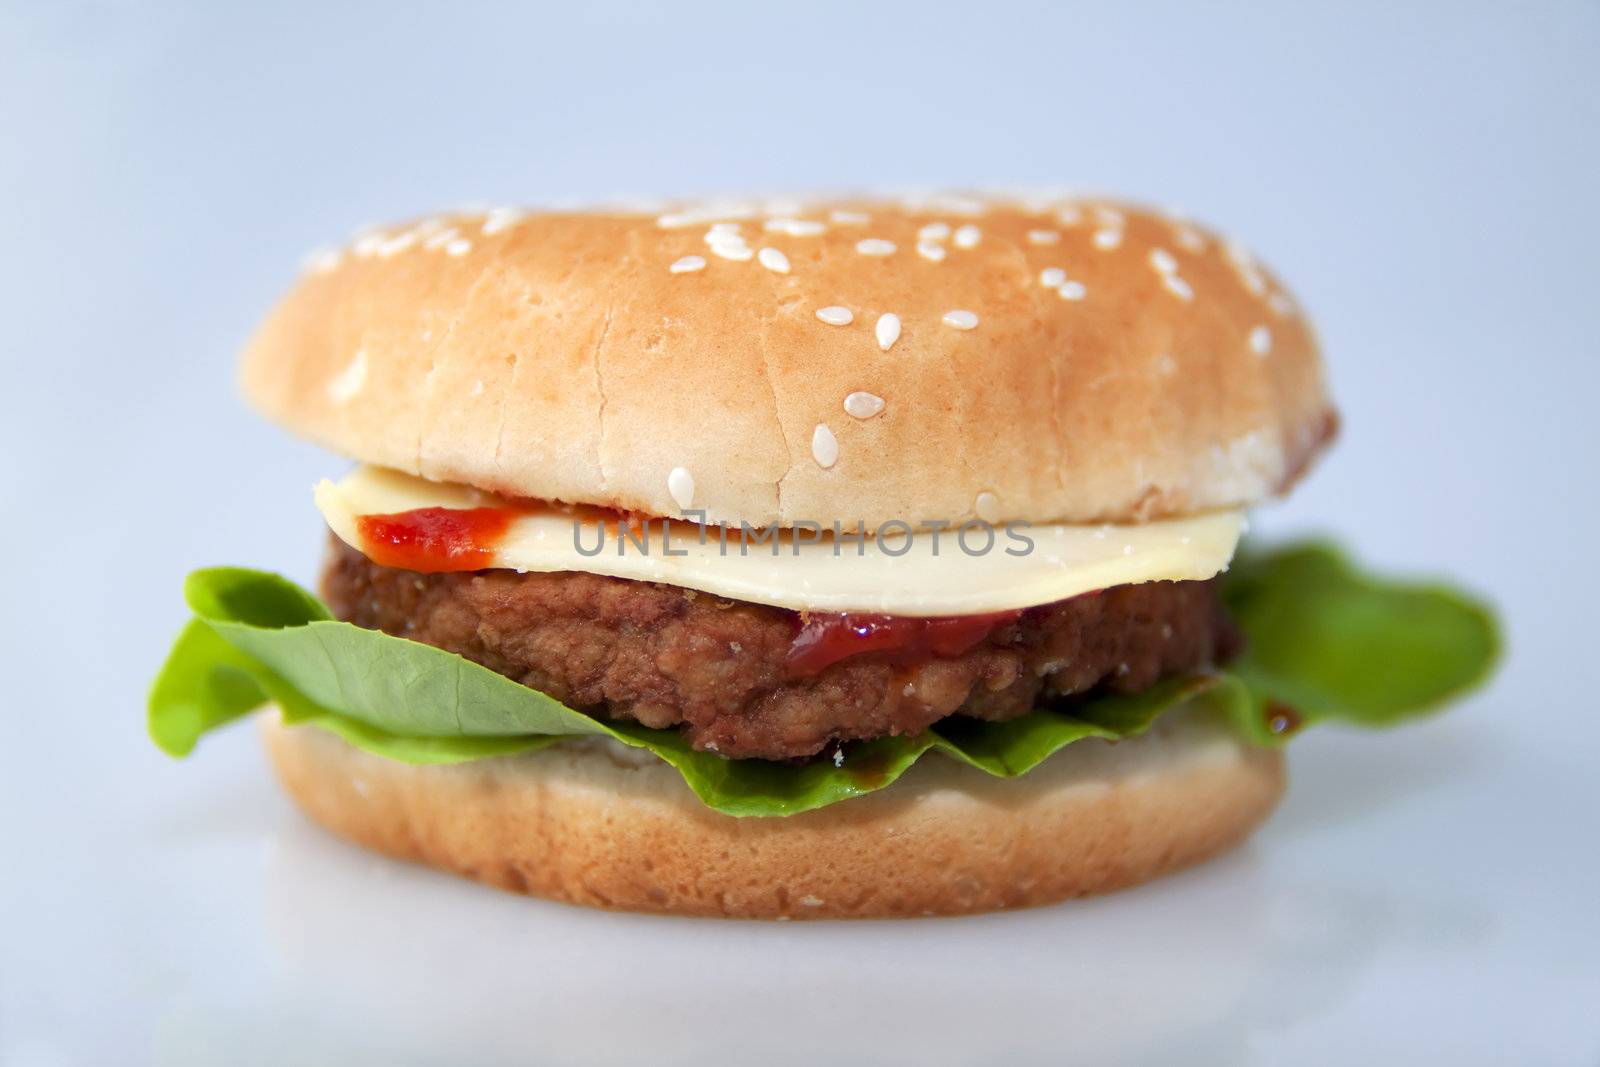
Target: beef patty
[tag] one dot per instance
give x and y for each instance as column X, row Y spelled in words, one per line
column 718, row 669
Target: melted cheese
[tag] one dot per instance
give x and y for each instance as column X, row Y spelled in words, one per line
column 923, row 573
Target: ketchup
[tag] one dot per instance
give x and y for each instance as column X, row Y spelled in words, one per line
column 824, row 640
column 435, row 539
column 1283, row 719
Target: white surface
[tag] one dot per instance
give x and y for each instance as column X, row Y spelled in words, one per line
column 1424, row 178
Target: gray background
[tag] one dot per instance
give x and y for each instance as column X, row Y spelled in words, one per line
column 1424, row 176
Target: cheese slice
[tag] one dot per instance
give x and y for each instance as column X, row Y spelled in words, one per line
column 927, row 572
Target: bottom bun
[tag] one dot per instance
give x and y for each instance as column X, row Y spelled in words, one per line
column 592, row 822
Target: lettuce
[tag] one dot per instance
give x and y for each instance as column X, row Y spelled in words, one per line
column 1325, row 642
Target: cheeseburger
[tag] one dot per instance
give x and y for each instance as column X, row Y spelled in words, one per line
column 809, row 559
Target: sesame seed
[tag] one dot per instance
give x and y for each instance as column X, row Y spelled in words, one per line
column 725, row 240
column 1069, row 215
column 1177, row 286
column 773, row 260
column 930, row 250
column 888, row 330
column 349, row 381
column 987, row 505
column 322, row 260
column 1165, row 365
column 1189, row 238
column 680, row 484
column 1107, row 239
column 824, row 446
column 737, row 251
column 368, row 244
column 441, row 238
column 1072, row 291
column 428, row 227
column 967, row 236
column 1052, row 277
column 459, row 247
column 501, row 218
column 1261, row 340
column 1280, row 304
column 863, row 405
column 1043, row 237
column 834, row 315
column 875, row 246
column 477, row 387
column 1245, row 265
column 1110, row 216
column 688, row 264
column 954, row 204
column 934, row 231
column 795, row 227
column 961, row 320
column 849, row 218
column 1162, row 260
column 781, row 206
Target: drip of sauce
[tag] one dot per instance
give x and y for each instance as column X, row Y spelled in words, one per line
column 868, row 771
column 825, row 639
column 432, row 540
column 1283, row 720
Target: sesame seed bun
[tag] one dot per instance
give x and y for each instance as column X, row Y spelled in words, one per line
column 592, row 823
column 1071, row 360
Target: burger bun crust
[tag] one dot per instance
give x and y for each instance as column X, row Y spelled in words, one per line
column 928, row 360
column 589, row 822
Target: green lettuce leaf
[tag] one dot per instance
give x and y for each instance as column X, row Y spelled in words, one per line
column 1323, row 639
column 1328, row 642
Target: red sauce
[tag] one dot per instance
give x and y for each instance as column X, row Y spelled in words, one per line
column 868, row 771
column 1282, row 719
column 824, row 640
column 435, row 539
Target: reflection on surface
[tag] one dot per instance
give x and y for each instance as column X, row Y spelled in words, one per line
column 1342, row 775
column 276, row 935
column 1197, row 963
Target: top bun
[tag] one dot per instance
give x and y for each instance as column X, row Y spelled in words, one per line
column 927, row 359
